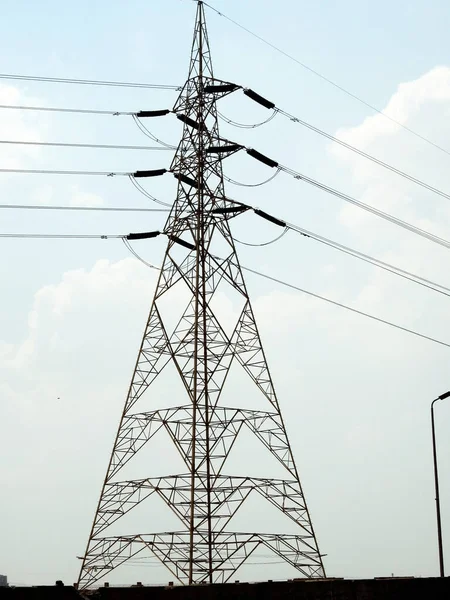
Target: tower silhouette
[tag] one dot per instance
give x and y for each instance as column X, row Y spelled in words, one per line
column 200, row 258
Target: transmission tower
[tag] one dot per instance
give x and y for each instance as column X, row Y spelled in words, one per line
column 203, row 348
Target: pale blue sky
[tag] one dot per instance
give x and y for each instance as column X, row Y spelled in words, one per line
column 355, row 394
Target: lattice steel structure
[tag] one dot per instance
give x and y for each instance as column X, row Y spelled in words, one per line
column 205, row 499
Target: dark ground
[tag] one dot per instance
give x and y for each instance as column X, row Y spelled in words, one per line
column 337, row 589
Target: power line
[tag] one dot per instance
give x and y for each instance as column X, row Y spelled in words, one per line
column 396, row 221
column 124, row 237
column 89, row 82
column 144, row 192
column 349, row 308
column 115, row 113
column 364, row 154
column 81, row 208
column 246, row 125
column 131, row 176
column 379, row 213
column 251, row 185
column 373, row 261
column 73, row 145
column 59, row 236
column 333, row 302
column 149, row 134
column 140, row 259
column 261, row 245
column 330, row 81
column 436, row 287
column 299, row 176
column 52, row 172
column 289, row 226
column 275, row 110
column 66, row 110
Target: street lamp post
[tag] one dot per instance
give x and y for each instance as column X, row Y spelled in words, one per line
column 436, row 484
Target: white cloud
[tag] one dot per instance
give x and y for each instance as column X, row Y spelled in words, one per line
column 28, row 126
column 420, row 104
column 107, row 288
column 406, row 102
column 80, row 198
column 70, row 195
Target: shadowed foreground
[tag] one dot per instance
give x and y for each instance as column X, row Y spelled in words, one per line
column 331, row 589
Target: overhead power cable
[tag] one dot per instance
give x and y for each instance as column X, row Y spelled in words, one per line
column 138, row 174
column 53, row 172
column 149, row 134
column 270, row 105
column 282, row 234
column 432, row 285
column 132, row 176
column 333, row 302
column 427, row 283
column 258, row 273
column 257, row 155
column 267, row 161
column 388, row 217
column 59, row 236
column 144, row 192
column 88, row 111
column 80, row 208
column 141, row 113
column 365, row 155
column 74, row 145
column 136, row 255
column 129, row 236
column 251, row 185
column 276, row 111
column 346, row 307
column 125, row 239
column 329, row 81
column 375, row 211
column 89, row 82
column 245, row 125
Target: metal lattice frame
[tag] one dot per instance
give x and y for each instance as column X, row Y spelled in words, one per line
column 204, row 432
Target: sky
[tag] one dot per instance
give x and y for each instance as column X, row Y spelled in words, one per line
column 355, row 394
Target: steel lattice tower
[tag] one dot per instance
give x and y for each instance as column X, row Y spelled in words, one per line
column 204, row 498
